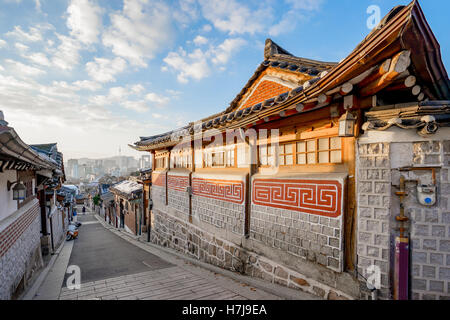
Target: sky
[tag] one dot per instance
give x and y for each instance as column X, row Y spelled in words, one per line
column 95, row 75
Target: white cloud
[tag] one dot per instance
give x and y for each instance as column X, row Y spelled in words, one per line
column 66, row 56
column 234, row 17
column 200, row 40
column 138, row 106
column 84, row 20
column 193, row 65
column 206, row 28
column 21, row 47
column 60, row 89
column 157, row 99
column 33, row 35
column 298, row 11
column 23, row 70
column 38, row 58
column 130, row 97
column 87, row 85
column 2, row 43
column 40, row 114
column 118, row 93
column 196, row 65
column 186, row 11
column 305, row 4
column 223, row 52
column 104, row 70
column 138, row 32
column 137, row 88
column 37, row 4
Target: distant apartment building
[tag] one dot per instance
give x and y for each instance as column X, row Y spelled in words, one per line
column 145, row 162
column 72, row 168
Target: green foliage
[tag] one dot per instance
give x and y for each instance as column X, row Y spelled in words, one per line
column 96, row 200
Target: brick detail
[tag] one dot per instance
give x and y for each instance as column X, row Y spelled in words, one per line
column 159, row 179
column 179, row 200
column 430, row 226
column 265, row 90
column 374, row 201
column 310, row 237
column 20, row 251
column 221, row 214
column 15, row 230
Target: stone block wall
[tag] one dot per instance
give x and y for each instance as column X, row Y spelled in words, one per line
column 200, row 244
column 374, row 201
column 221, row 214
column 313, row 238
column 177, row 195
column 430, row 226
column 303, row 217
column 379, row 168
column 20, row 249
column 220, row 203
column 159, row 188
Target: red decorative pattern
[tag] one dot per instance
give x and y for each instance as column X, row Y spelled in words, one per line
column 318, row 197
column 159, row 179
column 225, row 190
column 178, row 183
column 15, row 230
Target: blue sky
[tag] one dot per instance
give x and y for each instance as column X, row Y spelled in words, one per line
column 94, row 75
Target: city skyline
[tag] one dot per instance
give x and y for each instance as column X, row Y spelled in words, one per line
column 93, row 169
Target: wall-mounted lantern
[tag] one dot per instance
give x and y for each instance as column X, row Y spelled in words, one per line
column 19, row 190
column 347, row 125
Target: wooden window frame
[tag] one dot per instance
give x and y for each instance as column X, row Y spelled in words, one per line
column 225, row 152
column 295, row 152
column 285, row 155
column 164, row 163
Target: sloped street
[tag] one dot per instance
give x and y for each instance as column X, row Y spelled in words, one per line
column 113, row 268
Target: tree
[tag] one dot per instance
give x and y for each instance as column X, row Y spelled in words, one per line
column 96, row 200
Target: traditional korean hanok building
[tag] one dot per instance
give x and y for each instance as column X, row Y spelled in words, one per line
column 25, row 175
column 107, row 210
column 54, row 215
column 349, row 182
column 128, row 204
column 145, row 178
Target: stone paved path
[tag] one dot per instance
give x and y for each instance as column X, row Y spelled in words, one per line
column 112, row 268
column 166, row 284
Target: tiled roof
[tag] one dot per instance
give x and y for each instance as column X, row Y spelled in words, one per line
column 51, row 151
column 399, row 31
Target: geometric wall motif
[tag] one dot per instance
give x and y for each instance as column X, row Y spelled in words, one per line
column 317, row 197
column 178, row 183
column 159, row 179
column 225, row 190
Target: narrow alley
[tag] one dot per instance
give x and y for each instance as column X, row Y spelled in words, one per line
column 114, row 268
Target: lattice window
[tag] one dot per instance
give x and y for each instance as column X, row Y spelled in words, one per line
column 319, row 151
column 286, row 154
column 219, row 157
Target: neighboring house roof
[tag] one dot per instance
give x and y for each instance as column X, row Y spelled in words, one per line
column 17, row 155
column 109, row 196
column 399, row 32
column 127, row 188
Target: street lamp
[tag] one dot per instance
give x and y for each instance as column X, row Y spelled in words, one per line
column 19, row 190
column 347, row 125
